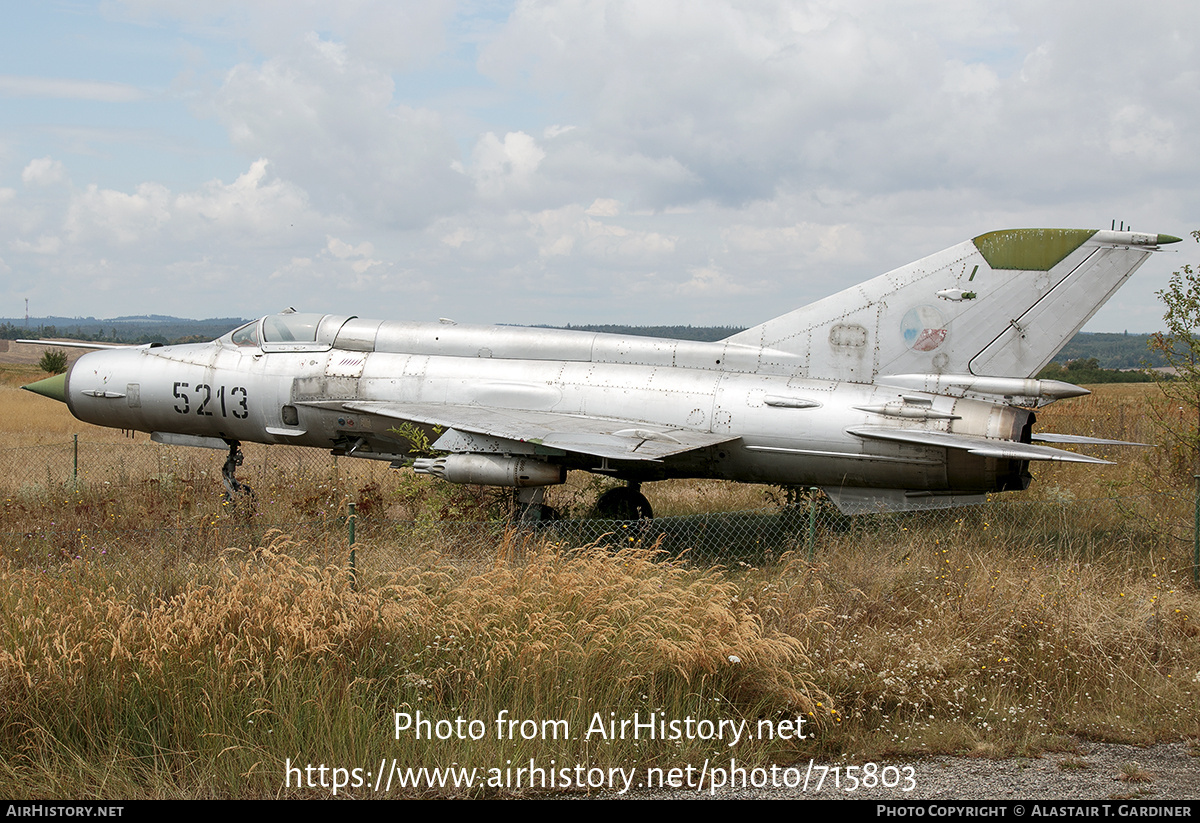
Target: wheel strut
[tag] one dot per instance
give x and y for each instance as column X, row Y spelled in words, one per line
column 528, row 506
column 232, row 485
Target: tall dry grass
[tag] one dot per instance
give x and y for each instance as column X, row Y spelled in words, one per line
column 992, row 641
column 139, row 657
column 1137, row 413
column 263, row 656
column 897, row 640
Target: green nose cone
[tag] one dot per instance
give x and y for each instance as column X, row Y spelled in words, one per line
column 53, row 387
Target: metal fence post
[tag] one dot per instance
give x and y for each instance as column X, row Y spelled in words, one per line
column 353, row 560
column 1196, row 536
column 812, row 522
column 75, row 464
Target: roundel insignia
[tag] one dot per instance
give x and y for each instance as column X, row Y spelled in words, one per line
column 923, row 328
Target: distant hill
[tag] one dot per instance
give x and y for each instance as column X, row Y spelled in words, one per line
column 154, row 328
column 1111, row 351
column 1087, row 370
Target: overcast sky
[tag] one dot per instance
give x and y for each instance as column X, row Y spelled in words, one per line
column 647, row 162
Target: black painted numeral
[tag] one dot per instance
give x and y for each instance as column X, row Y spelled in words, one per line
column 207, row 398
column 245, row 410
column 239, row 400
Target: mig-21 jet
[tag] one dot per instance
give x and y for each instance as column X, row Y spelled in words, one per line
column 913, row 390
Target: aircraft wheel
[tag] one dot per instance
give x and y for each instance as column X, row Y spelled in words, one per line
column 623, row 504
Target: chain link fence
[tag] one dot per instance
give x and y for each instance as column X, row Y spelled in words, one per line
column 160, row 508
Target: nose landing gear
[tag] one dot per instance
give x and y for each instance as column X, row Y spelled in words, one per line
column 232, row 486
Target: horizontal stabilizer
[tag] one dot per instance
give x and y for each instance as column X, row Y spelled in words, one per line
column 980, row 446
column 1048, row 437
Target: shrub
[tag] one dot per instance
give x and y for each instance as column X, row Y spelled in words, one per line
column 53, row 361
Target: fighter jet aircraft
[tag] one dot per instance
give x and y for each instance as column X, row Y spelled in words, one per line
column 913, row 390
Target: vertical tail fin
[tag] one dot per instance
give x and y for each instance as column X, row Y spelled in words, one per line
column 1001, row 305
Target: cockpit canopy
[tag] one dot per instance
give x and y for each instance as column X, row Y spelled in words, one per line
column 291, row 328
column 289, row 331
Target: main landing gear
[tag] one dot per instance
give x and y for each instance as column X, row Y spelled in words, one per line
column 529, row 508
column 624, row 503
column 621, row 503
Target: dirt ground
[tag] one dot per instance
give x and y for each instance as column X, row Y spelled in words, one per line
column 28, row 354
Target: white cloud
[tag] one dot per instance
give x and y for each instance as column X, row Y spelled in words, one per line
column 344, row 251
column 604, row 207
column 253, row 210
column 961, row 79
column 568, row 230
column 331, row 126
column 341, row 249
column 253, row 207
column 44, row 171
column 458, row 237
column 749, row 99
column 802, row 243
column 44, row 245
column 711, row 280
column 1143, row 135
column 108, row 217
column 499, row 166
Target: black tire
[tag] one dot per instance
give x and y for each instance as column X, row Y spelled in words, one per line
column 623, row 504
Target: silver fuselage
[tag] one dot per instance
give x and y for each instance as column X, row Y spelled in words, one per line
column 784, row 428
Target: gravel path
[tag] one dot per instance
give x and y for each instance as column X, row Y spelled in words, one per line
column 1165, row 772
